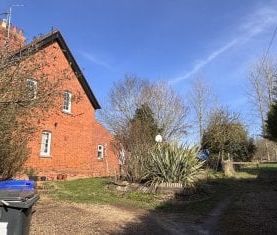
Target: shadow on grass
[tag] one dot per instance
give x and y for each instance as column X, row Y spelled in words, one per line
column 257, row 168
column 243, row 205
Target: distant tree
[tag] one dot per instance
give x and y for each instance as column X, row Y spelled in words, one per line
column 226, row 137
column 251, row 150
column 129, row 94
column 138, row 139
column 141, row 132
column 261, row 91
column 271, row 123
column 169, row 109
column 261, row 150
column 201, row 104
column 261, row 86
column 144, row 121
column 137, row 110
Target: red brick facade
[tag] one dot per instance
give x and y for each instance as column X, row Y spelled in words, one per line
column 14, row 38
column 75, row 136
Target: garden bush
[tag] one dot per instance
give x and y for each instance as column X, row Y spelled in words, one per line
column 173, row 163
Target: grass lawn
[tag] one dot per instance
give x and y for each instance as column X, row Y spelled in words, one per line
column 244, row 204
column 95, row 190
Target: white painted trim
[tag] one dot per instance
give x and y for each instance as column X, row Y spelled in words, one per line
column 42, row 145
column 69, row 102
column 101, row 150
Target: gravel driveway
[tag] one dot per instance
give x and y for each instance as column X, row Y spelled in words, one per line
column 52, row 217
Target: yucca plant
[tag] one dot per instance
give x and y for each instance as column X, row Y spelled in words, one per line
column 173, row 163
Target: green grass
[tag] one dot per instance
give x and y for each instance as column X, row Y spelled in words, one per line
column 268, row 166
column 94, row 190
column 255, row 170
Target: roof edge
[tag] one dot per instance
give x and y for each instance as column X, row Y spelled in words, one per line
column 50, row 38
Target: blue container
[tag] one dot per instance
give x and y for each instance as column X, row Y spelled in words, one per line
column 17, row 185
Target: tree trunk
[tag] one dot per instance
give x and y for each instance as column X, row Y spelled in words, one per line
column 267, row 150
column 228, row 167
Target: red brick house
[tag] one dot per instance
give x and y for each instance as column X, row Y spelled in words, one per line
column 71, row 141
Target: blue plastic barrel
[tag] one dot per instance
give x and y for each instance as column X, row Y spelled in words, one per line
column 17, row 184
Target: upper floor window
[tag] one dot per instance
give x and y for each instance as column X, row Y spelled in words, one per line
column 32, row 88
column 45, row 144
column 67, row 96
column 100, row 151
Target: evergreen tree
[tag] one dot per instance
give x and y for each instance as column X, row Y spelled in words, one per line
column 271, row 123
column 225, row 134
column 145, row 124
column 139, row 139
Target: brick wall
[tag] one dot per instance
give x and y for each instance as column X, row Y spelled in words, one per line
column 16, row 38
column 74, row 136
column 109, row 164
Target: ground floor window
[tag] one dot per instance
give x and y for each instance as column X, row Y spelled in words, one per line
column 100, row 151
column 45, row 144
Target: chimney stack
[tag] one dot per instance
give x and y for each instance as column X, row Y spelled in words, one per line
column 15, row 40
column 4, row 23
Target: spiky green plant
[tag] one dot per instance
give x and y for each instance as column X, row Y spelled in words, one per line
column 173, row 163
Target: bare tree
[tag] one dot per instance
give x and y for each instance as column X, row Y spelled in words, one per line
column 169, row 109
column 128, row 95
column 201, row 103
column 262, row 149
column 132, row 98
column 260, row 90
column 261, row 83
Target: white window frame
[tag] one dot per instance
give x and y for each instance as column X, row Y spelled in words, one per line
column 45, row 144
column 35, row 86
column 67, row 107
column 100, row 150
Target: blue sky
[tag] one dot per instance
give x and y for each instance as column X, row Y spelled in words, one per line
column 169, row 40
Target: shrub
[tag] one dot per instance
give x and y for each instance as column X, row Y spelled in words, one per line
column 13, row 151
column 173, row 163
column 30, row 171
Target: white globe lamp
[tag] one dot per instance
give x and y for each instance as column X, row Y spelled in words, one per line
column 158, row 138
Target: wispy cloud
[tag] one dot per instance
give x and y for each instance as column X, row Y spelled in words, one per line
column 253, row 25
column 93, row 59
column 202, row 63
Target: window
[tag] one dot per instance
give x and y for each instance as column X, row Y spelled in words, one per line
column 45, row 143
column 67, row 102
column 32, row 88
column 100, row 151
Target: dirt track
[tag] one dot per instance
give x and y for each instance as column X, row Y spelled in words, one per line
column 249, row 208
column 68, row 218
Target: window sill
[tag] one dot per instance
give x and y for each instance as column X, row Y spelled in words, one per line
column 45, row 155
column 100, row 159
column 67, row 112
